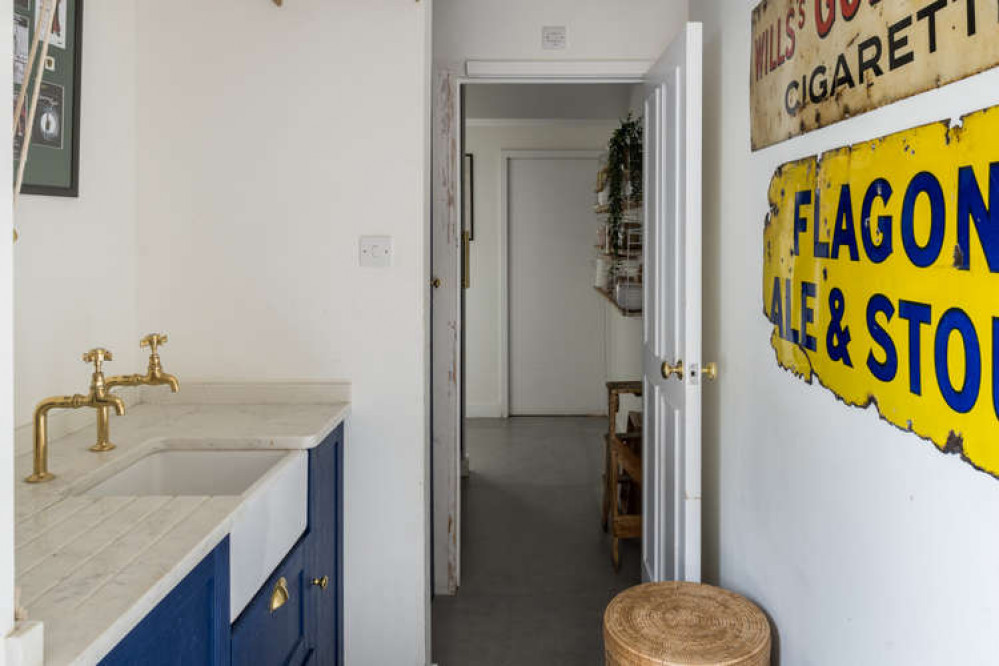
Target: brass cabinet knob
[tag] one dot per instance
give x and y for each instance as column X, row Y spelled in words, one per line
column 670, row 370
column 710, row 371
column 321, row 582
column 280, row 595
column 436, row 283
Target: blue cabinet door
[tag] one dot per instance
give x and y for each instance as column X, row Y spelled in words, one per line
column 190, row 627
column 325, row 547
column 265, row 635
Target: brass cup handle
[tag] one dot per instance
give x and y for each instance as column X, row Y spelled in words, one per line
column 321, row 582
column 280, row 595
column 670, row 370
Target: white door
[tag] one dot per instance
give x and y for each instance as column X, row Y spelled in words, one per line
column 671, row 547
column 556, row 321
column 446, row 322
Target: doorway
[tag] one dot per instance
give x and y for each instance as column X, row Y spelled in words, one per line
column 669, row 463
column 540, row 344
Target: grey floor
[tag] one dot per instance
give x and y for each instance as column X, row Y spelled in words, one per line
column 536, row 569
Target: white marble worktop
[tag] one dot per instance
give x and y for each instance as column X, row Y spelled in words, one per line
column 90, row 567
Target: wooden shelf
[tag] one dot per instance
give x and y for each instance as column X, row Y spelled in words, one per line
column 627, row 313
column 633, row 254
column 605, row 209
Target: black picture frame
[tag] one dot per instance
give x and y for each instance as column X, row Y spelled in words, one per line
column 468, row 195
column 73, row 189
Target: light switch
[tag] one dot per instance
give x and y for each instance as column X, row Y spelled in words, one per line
column 376, row 251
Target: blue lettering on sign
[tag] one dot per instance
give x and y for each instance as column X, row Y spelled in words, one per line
column 802, row 198
column 923, row 255
column 845, row 233
column 995, row 365
column 962, row 400
column 776, row 312
column 971, row 204
column 808, row 290
column 820, row 248
column 879, row 189
column 917, row 314
column 886, row 370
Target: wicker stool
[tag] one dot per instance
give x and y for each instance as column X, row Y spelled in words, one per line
column 681, row 624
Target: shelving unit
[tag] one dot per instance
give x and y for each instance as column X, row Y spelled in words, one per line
column 618, row 262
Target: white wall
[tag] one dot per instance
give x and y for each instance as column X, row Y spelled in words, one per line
column 483, row 315
column 596, row 29
column 74, row 264
column 864, row 543
column 270, row 139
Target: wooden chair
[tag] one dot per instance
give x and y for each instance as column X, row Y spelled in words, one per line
column 622, row 514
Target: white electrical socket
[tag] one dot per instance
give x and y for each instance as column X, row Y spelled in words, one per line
column 376, row 251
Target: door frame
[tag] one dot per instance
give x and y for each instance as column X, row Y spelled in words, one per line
column 445, row 494
column 506, row 156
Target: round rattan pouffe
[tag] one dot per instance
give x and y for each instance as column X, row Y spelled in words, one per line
column 682, row 624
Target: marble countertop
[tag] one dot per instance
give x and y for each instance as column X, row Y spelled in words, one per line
column 90, row 567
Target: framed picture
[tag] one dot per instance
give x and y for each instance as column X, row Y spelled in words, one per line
column 468, row 195
column 53, row 166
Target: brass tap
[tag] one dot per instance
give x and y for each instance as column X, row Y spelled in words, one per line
column 99, row 398
column 154, row 377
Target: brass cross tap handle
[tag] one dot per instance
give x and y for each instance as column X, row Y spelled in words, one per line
column 97, row 357
column 153, row 340
column 670, row 370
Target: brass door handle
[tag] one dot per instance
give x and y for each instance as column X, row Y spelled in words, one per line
column 321, row 582
column 710, row 371
column 436, row 283
column 280, row 595
column 466, row 268
column 670, row 370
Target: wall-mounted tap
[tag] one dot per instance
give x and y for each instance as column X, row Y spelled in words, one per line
column 154, row 377
column 99, row 398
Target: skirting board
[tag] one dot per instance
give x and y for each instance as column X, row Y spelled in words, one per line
column 487, row 411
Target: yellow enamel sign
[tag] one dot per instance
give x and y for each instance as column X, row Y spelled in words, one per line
column 881, row 279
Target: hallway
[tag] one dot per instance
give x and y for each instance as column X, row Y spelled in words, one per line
column 536, row 570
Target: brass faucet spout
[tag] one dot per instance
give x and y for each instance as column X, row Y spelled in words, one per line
column 111, row 401
column 94, row 399
column 154, row 377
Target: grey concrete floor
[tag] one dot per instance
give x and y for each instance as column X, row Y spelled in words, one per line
column 536, row 568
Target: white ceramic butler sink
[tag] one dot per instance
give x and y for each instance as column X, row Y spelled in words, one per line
column 178, row 472
column 272, row 514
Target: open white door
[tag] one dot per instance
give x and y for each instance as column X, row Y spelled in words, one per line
column 446, row 371
column 671, row 507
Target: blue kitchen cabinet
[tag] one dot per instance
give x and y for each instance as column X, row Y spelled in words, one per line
column 325, row 550
column 295, row 619
column 308, row 627
column 190, row 626
column 274, row 628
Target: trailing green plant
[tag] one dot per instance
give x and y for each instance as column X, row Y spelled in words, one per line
column 624, row 164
